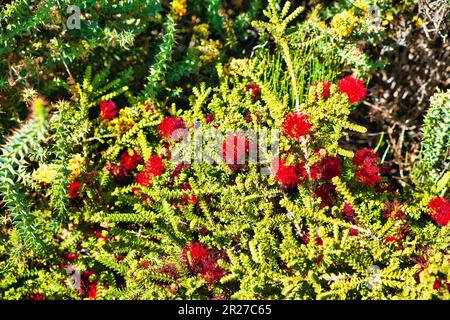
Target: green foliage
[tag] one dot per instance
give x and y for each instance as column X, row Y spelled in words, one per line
column 129, row 232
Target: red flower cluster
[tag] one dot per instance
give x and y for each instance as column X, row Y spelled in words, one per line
column 169, row 126
column 288, row 176
column 154, row 167
column 130, row 161
column 326, row 168
column 326, row 192
column 171, row 270
column 353, row 88
column 234, row 150
column 36, row 296
column 326, row 90
column 88, row 287
column 74, row 189
column 367, row 168
column 199, row 259
column 349, row 215
column 255, row 90
column 209, row 118
column 192, row 199
column 108, row 110
column 71, row 256
column 439, row 210
column 296, row 125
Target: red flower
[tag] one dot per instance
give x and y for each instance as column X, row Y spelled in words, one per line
column 255, row 90
column 288, row 176
column 353, row 88
column 108, row 110
column 234, row 150
column 71, row 256
column 209, row 118
column 92, row 290
column 130, row 161
column 325, row 192
column 169, row 126
column 74, row 189
column 367, row 168
column 326, row 168
column 439, row 210
column 326, row 89
column 204, row 262
column 87, row 286
column 296, row 125
column 194, row 254
column 348, row 212
column 143, row 264
column 390, row 239
column 171, row 270
column 154, row 167
column 36, row 296
column 189, row 198
column 437, row 285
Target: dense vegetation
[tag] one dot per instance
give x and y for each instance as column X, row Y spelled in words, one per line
column 128, row 168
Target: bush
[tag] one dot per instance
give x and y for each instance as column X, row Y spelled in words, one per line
column 223, row 177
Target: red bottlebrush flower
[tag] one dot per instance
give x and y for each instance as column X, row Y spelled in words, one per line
column 194, row 254
column 326, row 90
column 168, row 129
column 390, row 239
column 154, row 167
column 234, row 150
column 255, row 90
column 437, row 285
column 348, row 212
column 296, row 125
column 92, row 290
column 108, row 110
column 209, row 118
column 325, row 192
column 189, row 198
column 353, row 88
column 74, row 189
column 87, row 286
column 71, row 256
column 36, row 296
column 288, row 176
column 170, row 270
column 327, row 168
column 439, row 210
column 200, row 260
column 130, row 161
column 367, row 168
